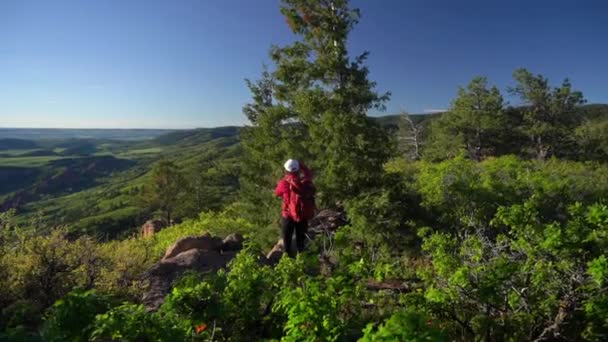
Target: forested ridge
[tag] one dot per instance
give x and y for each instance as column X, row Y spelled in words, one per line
column 487, row 222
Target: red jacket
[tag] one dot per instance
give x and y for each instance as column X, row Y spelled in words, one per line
column 289, row 182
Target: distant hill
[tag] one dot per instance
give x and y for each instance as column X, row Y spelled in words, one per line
column 197, row 136
column 594, row 111
column 17, row 144
column 392, row 121
column 60, row 133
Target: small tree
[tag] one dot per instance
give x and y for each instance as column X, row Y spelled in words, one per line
column 549, row 117
column 164, row 189
column 475, row 121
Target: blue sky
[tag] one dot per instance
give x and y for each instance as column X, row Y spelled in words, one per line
column 181, row 64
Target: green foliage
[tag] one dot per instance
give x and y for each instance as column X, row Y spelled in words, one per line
column 404, row 326
column 246, row 295
column 41, row 269
column 592, row 135
column 194, row 301
column 72, row 317
column 131, row 322
column 549, row 115
column 165, row 189
column 464, row 193
column 318, row 309
column 527, row 281
column 476, row 119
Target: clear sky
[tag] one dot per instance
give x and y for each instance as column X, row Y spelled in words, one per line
column 181, row 63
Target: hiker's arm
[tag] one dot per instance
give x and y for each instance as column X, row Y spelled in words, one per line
column 282, row 188
column 293, row 183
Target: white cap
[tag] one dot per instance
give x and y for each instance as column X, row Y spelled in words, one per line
column 292, row 165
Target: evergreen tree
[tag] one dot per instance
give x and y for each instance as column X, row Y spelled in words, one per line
column 164, row 190
column 474, row 124
column 313, row 107
column 549, row 117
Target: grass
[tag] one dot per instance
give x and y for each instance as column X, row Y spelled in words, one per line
column 28, row 161
column 16, row 153
column 151, row 150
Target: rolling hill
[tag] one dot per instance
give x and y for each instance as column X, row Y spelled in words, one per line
column 91, row 184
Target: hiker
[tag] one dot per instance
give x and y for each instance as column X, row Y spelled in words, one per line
column 297, row 192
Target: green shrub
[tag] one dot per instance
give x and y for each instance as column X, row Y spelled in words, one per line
column 131, row 322
column 71, row 318
column 530, row 281
column 318, row 309
column 406, row 326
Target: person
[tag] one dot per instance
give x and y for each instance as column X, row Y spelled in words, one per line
column 290, row 188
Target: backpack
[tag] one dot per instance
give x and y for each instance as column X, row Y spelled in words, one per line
column 302, row 205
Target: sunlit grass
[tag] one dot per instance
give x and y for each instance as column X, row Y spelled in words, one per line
column 28, row 161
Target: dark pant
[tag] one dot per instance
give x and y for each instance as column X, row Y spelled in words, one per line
column 288, row 226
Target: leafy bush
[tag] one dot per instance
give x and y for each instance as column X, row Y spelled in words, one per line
column 530, row 281
column 406, row 326
column 72, row 317
column 318, row 309
column 41, row 269
column 131, row 322
column 467, row 193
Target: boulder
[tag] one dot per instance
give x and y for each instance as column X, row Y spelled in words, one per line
column 151, row 227
column 160, row 276
column 275, row 254
column 233, row 242
column 327, row 221
column 395, row 285
column 204, row 243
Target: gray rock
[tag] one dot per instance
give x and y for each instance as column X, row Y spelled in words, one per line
column 205, row 243
column 233, row 242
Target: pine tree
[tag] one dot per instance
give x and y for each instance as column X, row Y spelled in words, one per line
column 313, row 106
column 475, row 123
column 549, row 116
column 164, row 190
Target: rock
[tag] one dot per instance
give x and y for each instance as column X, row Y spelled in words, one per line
column 327, row 221
column 275, row 254
column 389, row 284
column 151, row 227
column 233, row 242
column 204, row 243
column 160, row 276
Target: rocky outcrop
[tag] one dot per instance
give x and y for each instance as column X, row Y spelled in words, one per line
column 152, row 227
column 207, row 253
column 205, row 243
column 203, row 254
column 327, row 221
column 161, row 276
